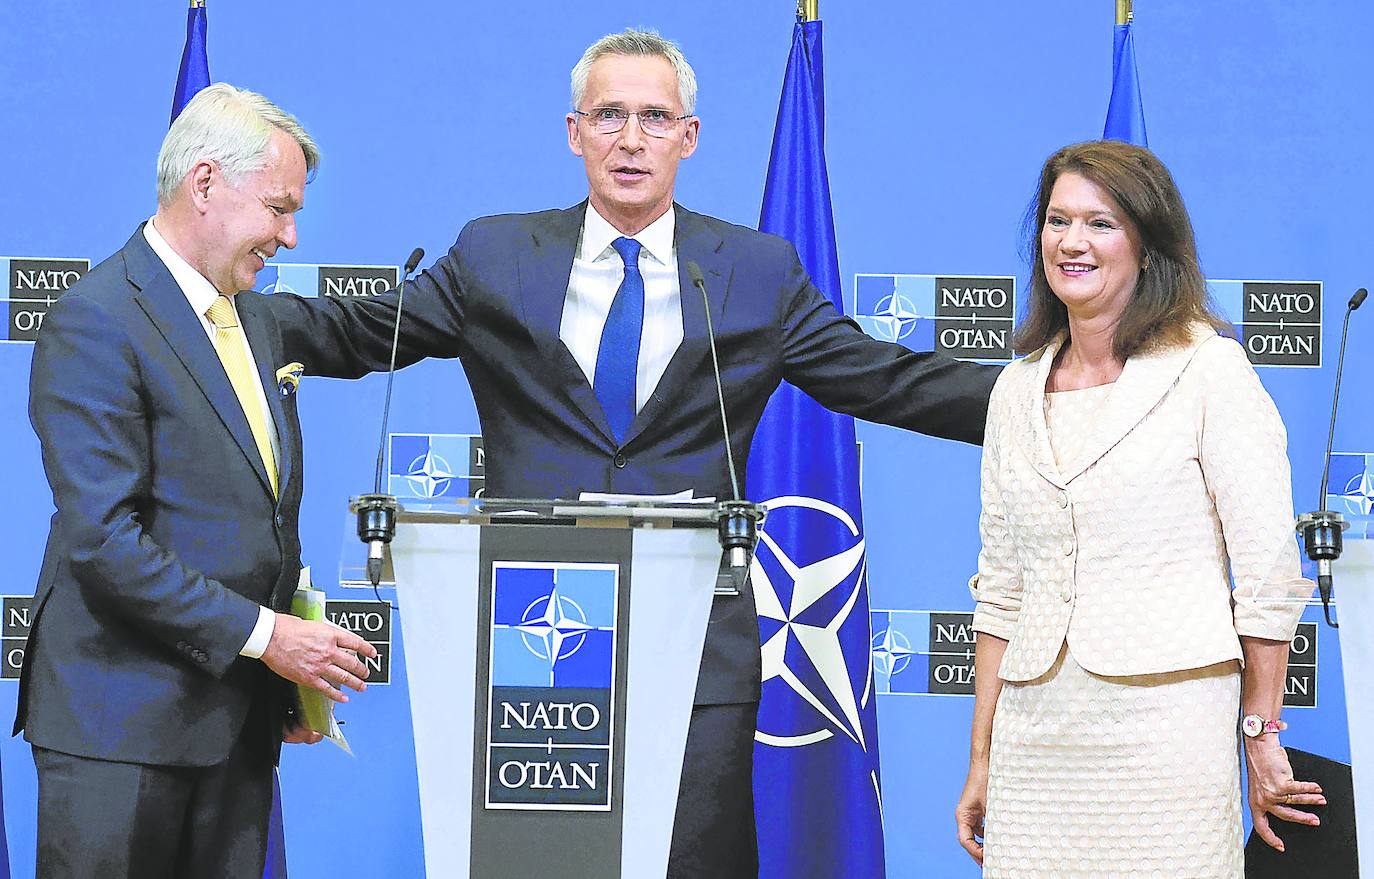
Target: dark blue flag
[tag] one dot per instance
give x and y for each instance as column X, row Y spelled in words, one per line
column 816, row 785
column 1125, row 113
column 275, row 868
column 195, row 65
column 4, row 842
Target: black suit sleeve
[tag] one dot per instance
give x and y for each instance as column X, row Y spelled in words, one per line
column 86, row 405
column 350, row 337
column 830, row 357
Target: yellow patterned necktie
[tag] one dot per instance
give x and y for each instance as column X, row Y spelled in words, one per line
column 233, row 353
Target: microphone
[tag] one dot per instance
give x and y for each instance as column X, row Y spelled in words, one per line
column 738, row 520
column 1321, row 529
column 377, row 512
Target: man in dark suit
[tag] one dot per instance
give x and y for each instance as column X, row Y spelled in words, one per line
column 585, row 345
column 155, row 684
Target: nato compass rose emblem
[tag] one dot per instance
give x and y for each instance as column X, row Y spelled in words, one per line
column 429, row 475
column 893, row 318
column 553, row 627
column 271, row 281
column 891, row 652
column 806, row 609
column 1359, row 493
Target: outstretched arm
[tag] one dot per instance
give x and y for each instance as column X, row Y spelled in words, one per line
column 831, row 358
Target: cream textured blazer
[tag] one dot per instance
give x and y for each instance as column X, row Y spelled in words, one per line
column 1127, row 557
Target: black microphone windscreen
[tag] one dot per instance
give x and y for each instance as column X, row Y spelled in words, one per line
column 694, row 272
column 1358, row 299
column 415, row 256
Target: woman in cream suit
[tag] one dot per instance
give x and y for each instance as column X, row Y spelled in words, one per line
column 1132, row 459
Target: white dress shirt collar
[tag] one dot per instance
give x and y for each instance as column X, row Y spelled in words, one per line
column 195, row 286
column 656, row 239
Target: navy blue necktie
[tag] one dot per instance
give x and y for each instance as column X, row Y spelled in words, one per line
column 617, row 360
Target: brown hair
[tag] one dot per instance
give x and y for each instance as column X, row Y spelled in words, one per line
column 1170, row 295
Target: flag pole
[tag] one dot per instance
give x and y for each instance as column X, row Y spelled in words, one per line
column 1124, row 14
column 808, row 10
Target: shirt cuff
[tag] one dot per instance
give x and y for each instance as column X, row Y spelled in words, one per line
column 256, row 645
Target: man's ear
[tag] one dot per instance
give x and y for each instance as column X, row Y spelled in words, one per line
column 201, row 179
column 689, row 137
column 574, row 136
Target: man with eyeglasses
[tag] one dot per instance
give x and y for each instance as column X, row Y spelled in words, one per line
column 585, row 346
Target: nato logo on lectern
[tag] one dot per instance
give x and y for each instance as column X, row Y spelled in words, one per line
column 551, row 699
column 436, row 465
column 32, row 285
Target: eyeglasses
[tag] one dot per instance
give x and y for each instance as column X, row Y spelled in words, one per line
column 653, row 121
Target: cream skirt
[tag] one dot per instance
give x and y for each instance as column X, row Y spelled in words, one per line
column 1101, row 777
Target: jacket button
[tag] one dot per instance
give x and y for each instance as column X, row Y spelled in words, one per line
column 279, row 519
column 1068, row 547
column 1067, row 594
column 620, row 460
column 1063, row 500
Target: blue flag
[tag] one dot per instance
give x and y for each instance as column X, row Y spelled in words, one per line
column 1125, row 113
column 275, row 868
column 816, row 789
column 195, row 65
column 4, row 841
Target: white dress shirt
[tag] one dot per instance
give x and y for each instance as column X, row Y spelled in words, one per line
column 201, row 294
column 597, row 271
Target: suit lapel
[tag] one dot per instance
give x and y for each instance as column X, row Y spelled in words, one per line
column 693, row 241
column 1030, row 428
column 1144, row 381
column 164, row 303
column 544, row 271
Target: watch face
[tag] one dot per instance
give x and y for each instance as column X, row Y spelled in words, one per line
column 1252, row 725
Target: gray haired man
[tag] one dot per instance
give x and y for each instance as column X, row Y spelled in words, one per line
column 156, row 684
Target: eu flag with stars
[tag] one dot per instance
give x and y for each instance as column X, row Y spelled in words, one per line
column 194, row 74
column 1125, row 113
column 816, row 785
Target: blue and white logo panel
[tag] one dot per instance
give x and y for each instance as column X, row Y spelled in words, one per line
column 550, row 731
column 425, row 466
column 967, row 316
column 315, row 280
column 923, row 652
column 1350, row 487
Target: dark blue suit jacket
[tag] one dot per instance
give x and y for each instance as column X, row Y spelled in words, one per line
column 166, row 537
column 496, row 301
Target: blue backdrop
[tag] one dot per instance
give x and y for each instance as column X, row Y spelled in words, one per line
column 938, row 117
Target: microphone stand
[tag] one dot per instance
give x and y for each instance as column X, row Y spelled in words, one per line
column 376, row 512
column 1322, row 529
column 737, row 519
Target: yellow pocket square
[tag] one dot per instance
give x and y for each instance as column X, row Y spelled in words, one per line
column 289, row 378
